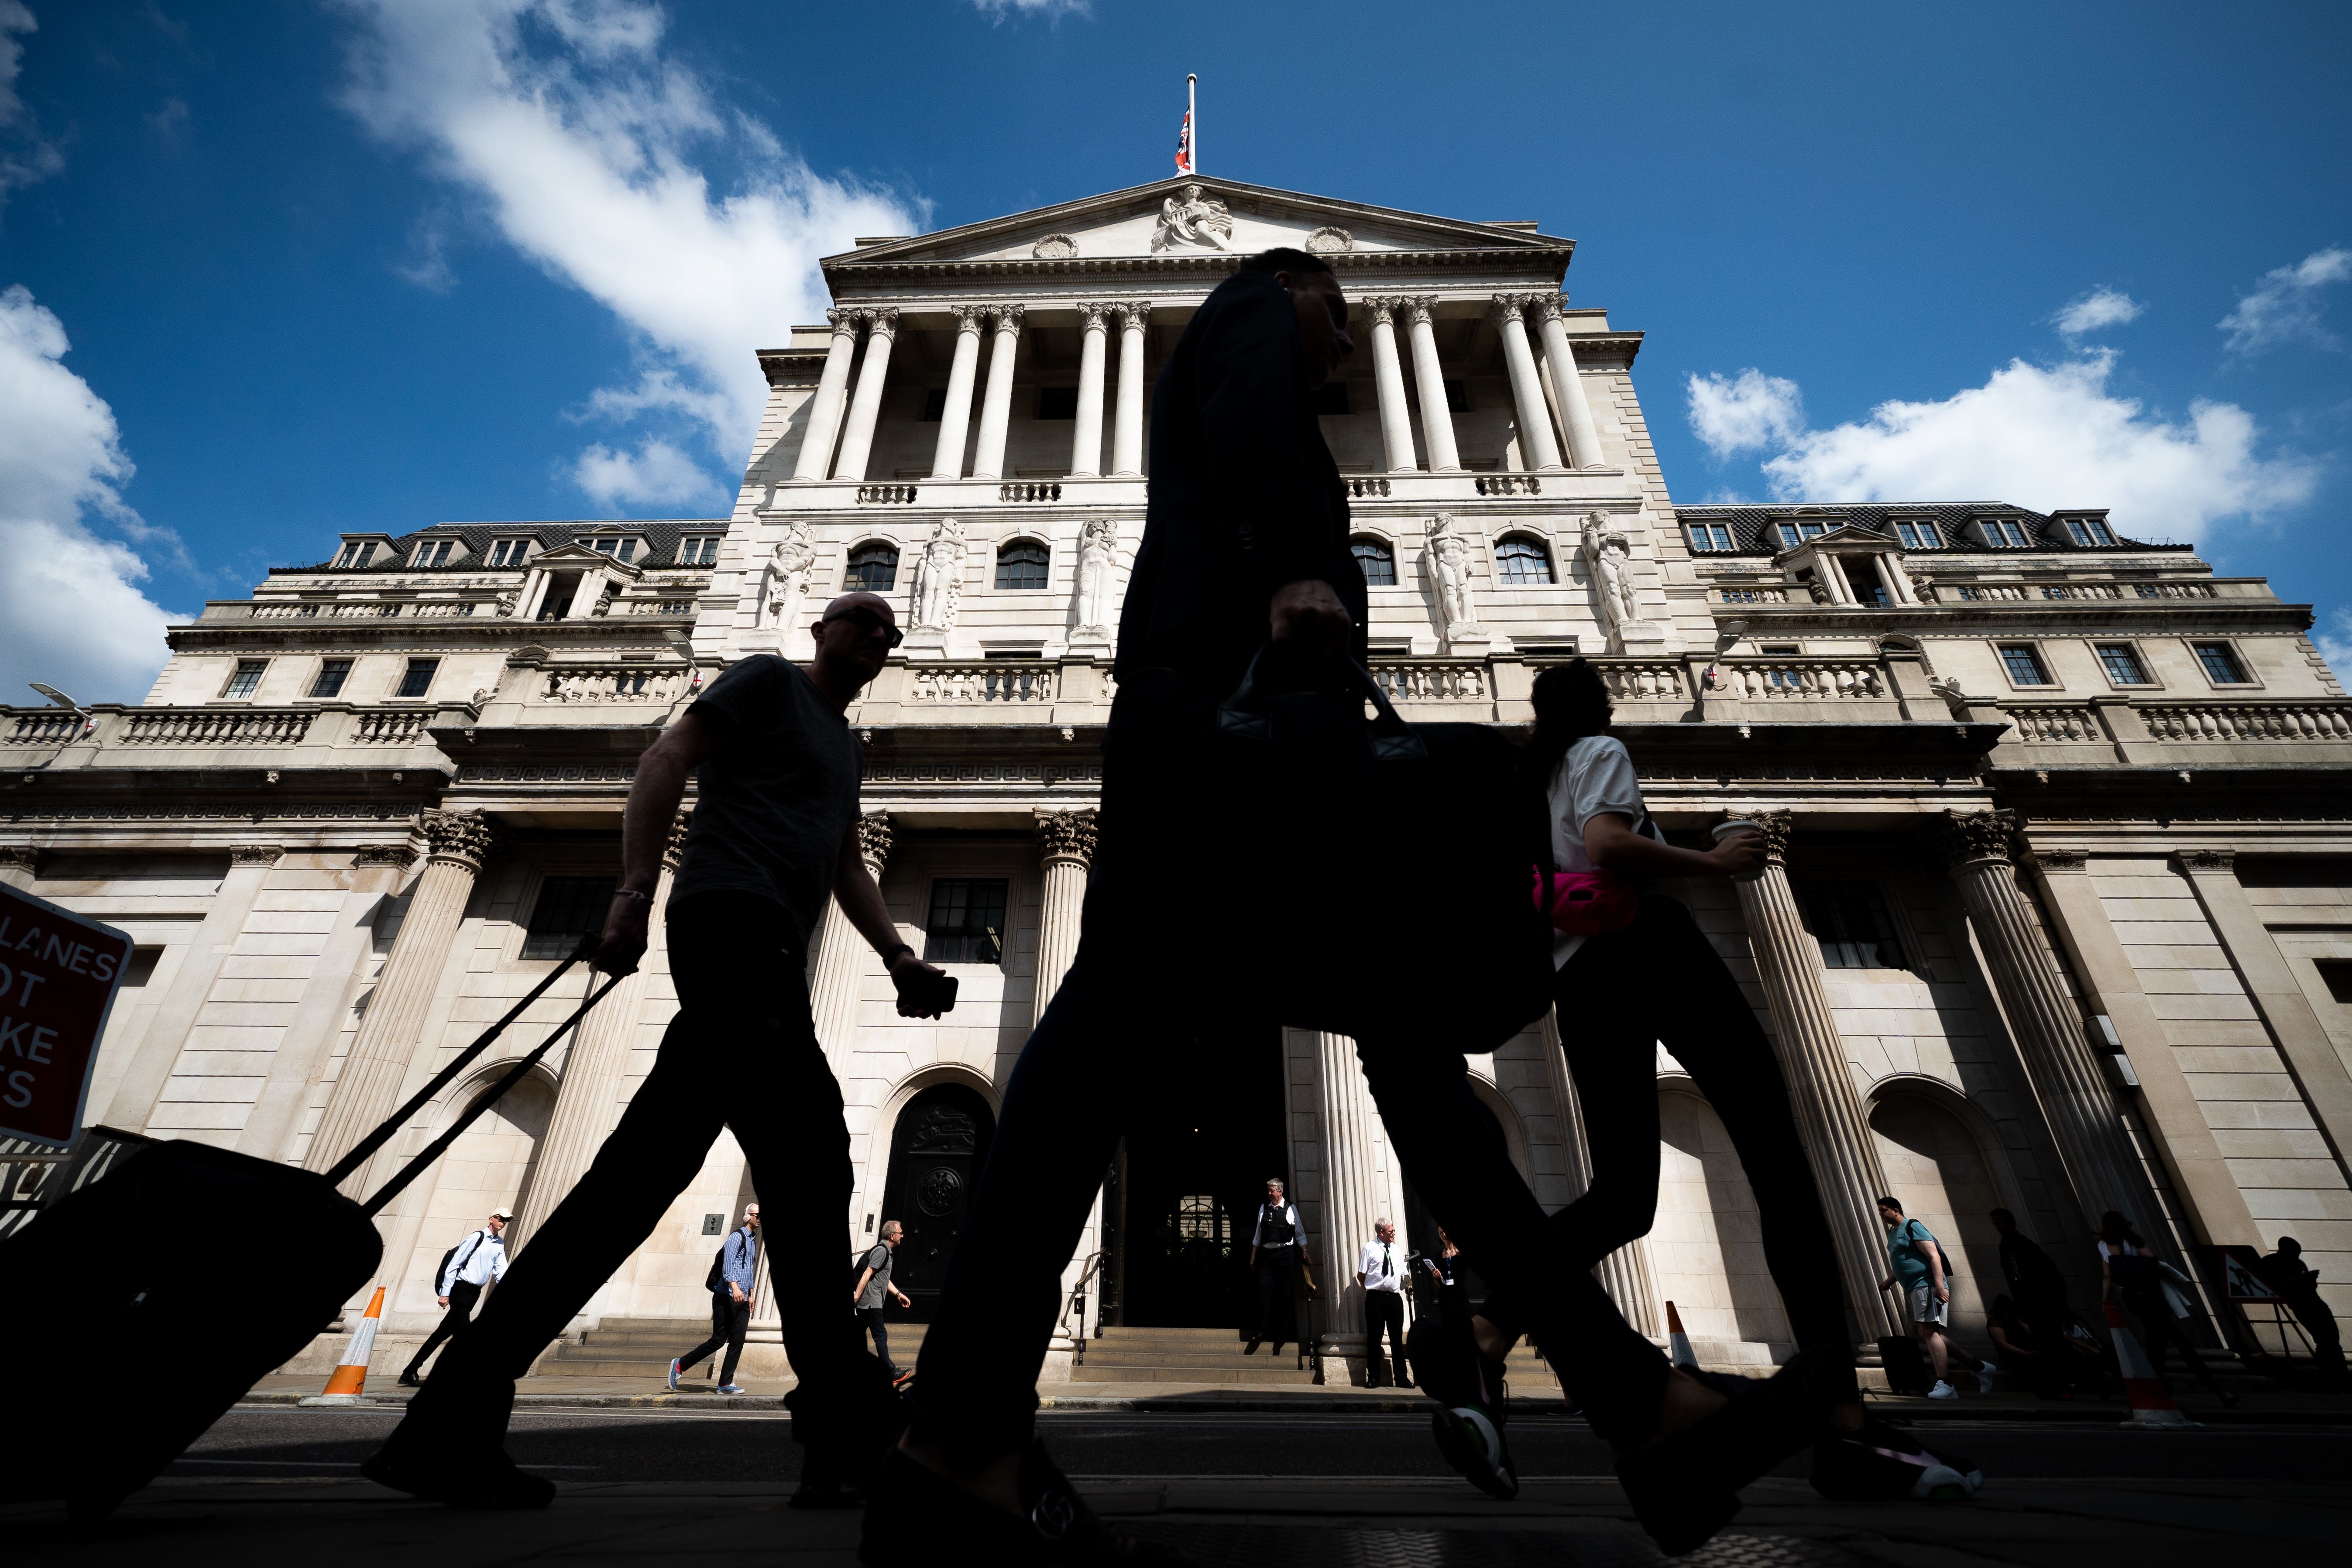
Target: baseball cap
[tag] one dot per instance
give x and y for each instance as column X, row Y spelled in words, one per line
column 502, row 1214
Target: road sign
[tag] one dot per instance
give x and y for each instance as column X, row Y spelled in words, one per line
column 2242, row 1279
column 58, row 974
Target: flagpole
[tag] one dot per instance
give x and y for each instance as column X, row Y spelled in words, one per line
column 1192, row 115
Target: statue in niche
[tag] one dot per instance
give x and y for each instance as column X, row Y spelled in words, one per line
column 791, row 560
column 1449, row 565
column 939, row 576
column 1192, row 217
column 1098, row 558
column 1609, row 557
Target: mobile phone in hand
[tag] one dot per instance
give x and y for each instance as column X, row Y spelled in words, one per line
column 934, row 993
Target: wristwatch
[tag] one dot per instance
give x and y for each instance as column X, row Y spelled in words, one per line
column 891, row 957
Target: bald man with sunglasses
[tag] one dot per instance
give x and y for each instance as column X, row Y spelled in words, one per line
column 775, row 835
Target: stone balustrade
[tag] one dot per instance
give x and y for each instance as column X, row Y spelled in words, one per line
column 1028, row 492
column 608, row 683
column 1642, row 680
column 1432, row 680
column 2287, row 720
column 1507, row 485
column 1751, row 595
column 388, row 727
column 992, row 681
column 2016, row 593
column 213, row 727
column 885, row 495
column 2060, row 725
column 1803, row 680
column 1374, row 489
column 43, row 727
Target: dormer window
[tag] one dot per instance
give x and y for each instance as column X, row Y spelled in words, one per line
column 1792, row 534
column 2089, row 532
column 1707, row 537
column 1920, row 535
column 619, row 549
column 434, row 552
column 698, row 549
column 353, row 554
column 2000, row 534
column 510, row 552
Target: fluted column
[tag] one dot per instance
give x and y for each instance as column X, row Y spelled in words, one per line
column 1086, row 442
column 458, row 842
column 588, row 1095
column 1429, row 380
column 19, row 864
column 1537, row 448
column 841, row 952
column 1575, row 410
column 1351, row 1189
column 858, row 440
column 832, row 393
column 1388, row 380
column 1626, row 1274
column 955, row 420
column 1126, row 442
column 996, row 409
column 1821, row 1082
column 1067, row 838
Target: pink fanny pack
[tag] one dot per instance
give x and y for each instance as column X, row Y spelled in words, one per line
column 1585, row 903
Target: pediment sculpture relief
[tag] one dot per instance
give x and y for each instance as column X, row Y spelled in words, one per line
column 1192, row 216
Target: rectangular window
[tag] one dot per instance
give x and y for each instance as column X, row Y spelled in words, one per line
column 967, row 923
column 699, row 551
column 2121, row 661
column 1919, row 536
column 433, row 553
column 417, row 679
column 247, row 678
column 2089, row 532
column 1850, row 920
column 352, row 554
column 2220, row 662
column 2024, row 662
column 935, row 405
column 2002, row 534
column 332, row 673
column 1057, row 403
column 509, row 552
column 1792, row 534
column 1779, row 649
column 2336, row 972
column 569, row 907
column 618, row 549
column 141, row 967
column 1710, row 536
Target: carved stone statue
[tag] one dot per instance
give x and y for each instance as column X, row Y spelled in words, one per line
column 1609, row 556
column 1192, row 217
column 789, row 561
column 939, row 577
column 1449, row 565
column 1097, row 559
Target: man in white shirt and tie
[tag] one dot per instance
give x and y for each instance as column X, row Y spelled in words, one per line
column 1380, row 1271
column 472, row 1263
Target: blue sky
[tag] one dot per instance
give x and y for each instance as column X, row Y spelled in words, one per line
column 276, row 269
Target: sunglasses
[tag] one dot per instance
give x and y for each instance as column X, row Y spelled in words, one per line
column 869, row 620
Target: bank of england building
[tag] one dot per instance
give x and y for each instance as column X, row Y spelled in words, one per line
column 2057, row 918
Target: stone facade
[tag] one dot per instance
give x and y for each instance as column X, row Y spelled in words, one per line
column 2059, row 914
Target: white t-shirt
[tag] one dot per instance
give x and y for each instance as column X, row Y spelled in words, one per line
column 1596, row 776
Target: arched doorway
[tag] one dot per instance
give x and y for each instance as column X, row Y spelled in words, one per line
column 1941, row 1178
column 937, row 1151
column 1705, row 1250
column 488, row 1167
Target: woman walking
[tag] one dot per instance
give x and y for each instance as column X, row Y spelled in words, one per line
column 2133, row 1276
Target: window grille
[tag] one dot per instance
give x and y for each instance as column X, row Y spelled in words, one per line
column 873, row 569
column 1524, row 561
column 568, row 909
column 1377, row 558
column 967, row 923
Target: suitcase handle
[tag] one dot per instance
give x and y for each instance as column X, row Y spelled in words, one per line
column 440, row 1146
column 367, row 1146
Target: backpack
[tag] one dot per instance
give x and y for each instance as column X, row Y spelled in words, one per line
column 717, row 1280
column 442, row 1272
column 1913, row 1231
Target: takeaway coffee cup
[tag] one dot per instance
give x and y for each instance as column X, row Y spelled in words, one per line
column 1724, row 829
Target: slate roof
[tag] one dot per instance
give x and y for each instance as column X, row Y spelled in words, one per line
column 1748, row 524
column 660, row 536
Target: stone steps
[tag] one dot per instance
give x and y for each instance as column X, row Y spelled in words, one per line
column 642, row 1347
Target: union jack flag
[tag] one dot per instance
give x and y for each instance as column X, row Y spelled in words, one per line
column 1184, row 146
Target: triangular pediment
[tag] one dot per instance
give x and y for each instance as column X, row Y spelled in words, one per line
column 1164, row 218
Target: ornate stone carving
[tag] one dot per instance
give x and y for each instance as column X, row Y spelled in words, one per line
column 1449, row 568
column 1973, row 836
column 1054, row 248
column 1067, row 835
column 1136, row 313
column 506, row 601
column 1008, row 318
column 874, row 838
column 255, row 854
column 844, row 321
column 1609, row 559
column 1420, row 307
column 1383, row 308
column 460, row 838
column 938, row 577
column 2209, row 859
column 1774, row 827
column 1097, row 563
column 396, row 854
column 1091, row 313
column 1193, row 216
column 1510, row 307
column 1328, row 239
column 1546, row 307
column 2055, row 860
column 786, row 579
column 674, row 847
column 969, row 317
column 882, row 322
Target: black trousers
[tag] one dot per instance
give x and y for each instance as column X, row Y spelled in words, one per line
column 742, row 1054
column 1278, row 1285
column 730, row 1320
column 1384, row 1310
column 2164, row 1330
column 1097, row 1055
column 1660, row 980
column 453, row 1321
column 869, row 1322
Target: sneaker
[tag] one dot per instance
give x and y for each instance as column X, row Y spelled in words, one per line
column 1943, row 1391
column 1985, row 1371
column 900, row 1380
column 1882, row 1461
column 920, row 1518
column 674, row 1370
column 1472, row 1442
column 732, row 1388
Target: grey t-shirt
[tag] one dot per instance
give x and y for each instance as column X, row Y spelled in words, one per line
column 879, row 1261
column 777, row 798
column 1595, row 776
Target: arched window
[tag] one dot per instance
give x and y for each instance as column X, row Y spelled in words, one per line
column 1523, row 559
column 873, row 568
column 1376, row 558
column 1022, row 565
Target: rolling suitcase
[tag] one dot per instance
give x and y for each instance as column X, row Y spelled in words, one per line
column 136, row 1311
column 1908, row 1369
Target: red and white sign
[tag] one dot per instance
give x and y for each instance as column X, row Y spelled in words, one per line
column 58, row 974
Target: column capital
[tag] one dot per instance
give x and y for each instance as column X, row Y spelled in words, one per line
column 1136, row 313
column 1383, row 308
column 674, row 847
column 969, row 317
column 1419, row 306
column 1974, row 837
column 1510, row 307
column 1774, row 827
column 1067, row 835
column 1008, row 318
column 875, row 835
column 2209, row 859
column 1091, row 313
column 459, row 838
column 396, row 854
column 882, row 322
column 22, row 855
column 845, row 323
column 255, row 854
column 1546, row 307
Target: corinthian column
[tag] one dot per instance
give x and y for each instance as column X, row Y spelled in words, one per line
column 1085, row 441
column 1068, row 839
column 1535, row 446
column 2083, row 1119
column 1352, row 1195
column 1387, row 381
column 1821, row 1083
column 1626, row 1274
column 1127, row 434
column 1429, row 380
column 832, row 388
column 955, row 419
column 857, row 440
column 841, row 952
column 1575, row 411
column 587, row 1097
column 996, row 409
column 458, row 842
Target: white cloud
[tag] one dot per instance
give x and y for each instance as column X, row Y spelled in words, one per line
column 33, row 159
column 2336, row 643
column 2284, row 308
column 1747, row 412
column 1053, row 10
column 70, row 613
column 655, row 474
column 579, row 136
column 2099, row 309
column 2050, row 436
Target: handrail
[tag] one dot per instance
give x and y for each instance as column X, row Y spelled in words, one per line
column 1078, row 1303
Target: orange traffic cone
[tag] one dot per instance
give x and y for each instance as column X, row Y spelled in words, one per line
column 1679, row 1342
column 350, row 1379
column 2151, row 1401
